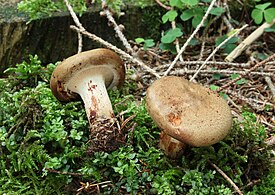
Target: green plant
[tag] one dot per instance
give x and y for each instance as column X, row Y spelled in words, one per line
column 44, row 146
column 261, row 13
column 147, row 43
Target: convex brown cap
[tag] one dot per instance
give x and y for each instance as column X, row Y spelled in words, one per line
column 98, row 61
column 188, row 112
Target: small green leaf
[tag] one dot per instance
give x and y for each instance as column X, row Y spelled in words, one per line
column 176, row 3
column 169, row 16
column 263, row 6
column 241, row 81
column 216, row 76
column 139, row 40
column 171, row 35
column 234, row 76
column 257, row 16
column 148, row 43
column 190, row 2
column 214, row 87
column 186, row 15
column 269, row 15
column 196, row 20
column 217, row 11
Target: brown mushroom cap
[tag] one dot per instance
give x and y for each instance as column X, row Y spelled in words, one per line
column 188, row 112
column 98, row 61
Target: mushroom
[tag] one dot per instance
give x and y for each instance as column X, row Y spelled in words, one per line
column 88, row 75
column 187, row 113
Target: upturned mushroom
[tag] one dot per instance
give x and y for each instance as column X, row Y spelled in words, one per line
column 88, row 75
column 187, row 113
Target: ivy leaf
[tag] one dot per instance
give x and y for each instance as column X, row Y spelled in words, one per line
column 171, row 35
column 170, row 15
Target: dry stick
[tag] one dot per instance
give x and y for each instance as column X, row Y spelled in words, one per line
column 162, row 5
column 173, row 23
column 63, row 173
column 185, row 63
column 117, row 50
column 227, row 178
column 190, row 38
column 250, row 39
column 80, row 42
column 216, row 49
column 77, row 22
column 116, row 27
column 224, row 72
column 271, row 86
column 80, row 29
column 246, row 72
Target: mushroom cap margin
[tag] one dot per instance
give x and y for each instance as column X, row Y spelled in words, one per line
column 96, row 59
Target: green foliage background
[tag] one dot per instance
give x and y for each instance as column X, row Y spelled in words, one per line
column 38, row 134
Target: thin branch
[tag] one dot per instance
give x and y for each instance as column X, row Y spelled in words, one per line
column 116, row 27
column 63, row 173
column 250, row 39
column 270, row 85
column 73, row 14
column 224, row 72
column 190, row 38
column 117, row 50
column 227, row 178
column 215, row 50
column 80, row 42
column 80, row 29
column 162, row 5
column 246, row 72
column 173, row 23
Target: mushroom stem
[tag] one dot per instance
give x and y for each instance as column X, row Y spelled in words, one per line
column 172, row 147
column 94, row 94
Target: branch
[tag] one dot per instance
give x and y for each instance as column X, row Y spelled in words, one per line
column 116, row 27
column 227, row 178
column 215, row 50
column 117, row 50
column 80, row 29
column 250, row 39
column 246, row 72
column 190, row 38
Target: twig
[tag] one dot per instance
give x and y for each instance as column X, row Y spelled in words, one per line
column 270, row 141
column 270, row 85
column 218, row 63
column 190, row 38
column 80, row 42
column 173, row 23
column 250, row 39
column 116, row 27
column 117, row 50
column 80, row 29
column 215, row 50
column 227, row 178
column 224, row 72
column 73, row 14
column 63, row 173
column 246, row 72
column 162, row 5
